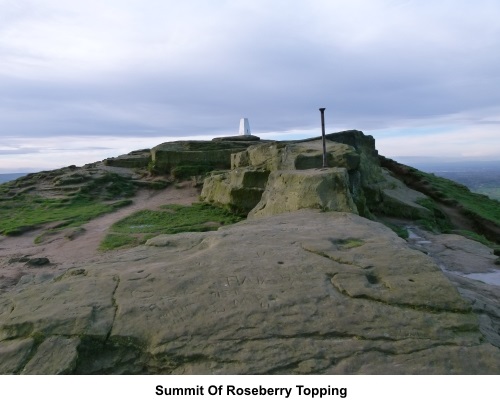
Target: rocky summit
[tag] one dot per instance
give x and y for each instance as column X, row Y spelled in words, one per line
column 304, row 292
column 314, row 281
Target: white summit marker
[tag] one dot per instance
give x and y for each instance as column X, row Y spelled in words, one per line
column 244, row 127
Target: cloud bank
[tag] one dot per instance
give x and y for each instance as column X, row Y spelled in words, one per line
column 133, row 69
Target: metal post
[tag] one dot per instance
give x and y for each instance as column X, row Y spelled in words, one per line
column 323, row 135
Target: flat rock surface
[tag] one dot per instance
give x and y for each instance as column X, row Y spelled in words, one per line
column 302, row 292
column 469, row 265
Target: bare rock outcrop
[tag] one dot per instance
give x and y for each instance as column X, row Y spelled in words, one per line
column 292, row 190
column 207, row 155
column 239, row 189
column 302, row 292
column 134, row 159
column 360, row 182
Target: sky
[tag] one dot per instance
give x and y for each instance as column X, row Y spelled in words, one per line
column 83, row 80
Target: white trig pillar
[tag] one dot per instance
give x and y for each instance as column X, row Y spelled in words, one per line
column 244, row 127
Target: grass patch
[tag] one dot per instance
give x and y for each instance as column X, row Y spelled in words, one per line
column 118, row 240
column 351, row 243
column 401, row 231
column 142, row 225
column 23, row 210
column 109, row 186
column 438, row 222
column 28, row 212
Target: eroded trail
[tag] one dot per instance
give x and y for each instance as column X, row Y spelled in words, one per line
column 64, row 252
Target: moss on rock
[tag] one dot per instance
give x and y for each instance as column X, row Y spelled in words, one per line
column 291, row 190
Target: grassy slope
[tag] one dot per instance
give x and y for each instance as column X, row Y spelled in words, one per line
column 477, row 204
column 145, row 224
column 23, row 208
column 480, row 210
column 70, row 199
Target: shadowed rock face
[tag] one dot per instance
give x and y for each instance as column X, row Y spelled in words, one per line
column 304, row 292
column 134, row 159
column 208, row 154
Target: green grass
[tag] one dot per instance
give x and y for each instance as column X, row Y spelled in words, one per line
column 110, row 186
column 474, row 203
column 114, row 241
column 350, row 243
column 401, row 231
column 438, row 222
column 21, row 210
column 28, row 212
column 142, row 225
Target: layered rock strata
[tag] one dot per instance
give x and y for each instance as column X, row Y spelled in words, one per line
column 356, row 182
column 209, row 155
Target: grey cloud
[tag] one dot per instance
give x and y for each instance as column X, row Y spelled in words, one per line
column 20, row 151
column 276, row 75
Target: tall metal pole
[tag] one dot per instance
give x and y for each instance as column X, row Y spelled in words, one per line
column 323, row 135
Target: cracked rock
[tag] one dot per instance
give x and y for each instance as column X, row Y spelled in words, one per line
column 306, row 292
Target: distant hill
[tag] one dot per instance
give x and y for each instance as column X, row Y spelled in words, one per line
column 429, row 164
column 5, row 177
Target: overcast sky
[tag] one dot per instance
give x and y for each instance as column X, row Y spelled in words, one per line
column 82, row 80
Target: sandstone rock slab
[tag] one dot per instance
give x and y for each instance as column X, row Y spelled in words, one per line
column 56, row 355
column 14, row 354
column 239, row 189
column 292, row 190
column 302, row 292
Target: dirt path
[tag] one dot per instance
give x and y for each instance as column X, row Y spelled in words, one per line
column 64, row 252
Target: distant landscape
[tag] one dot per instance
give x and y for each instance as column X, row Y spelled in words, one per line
column 5, row 177
column 479, row 177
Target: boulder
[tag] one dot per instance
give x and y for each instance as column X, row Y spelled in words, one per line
column 299, row 156
column 225, row 188
column 350, row 150
column 364, row 145
column 398, row 200
column 292, row 190
column 207, row 154
column 306, row 292
column 239, row 190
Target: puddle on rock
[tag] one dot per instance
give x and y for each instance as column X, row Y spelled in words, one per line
column 492, row 278
column 411, row 234
column 415, row 238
